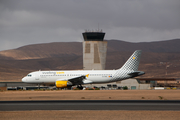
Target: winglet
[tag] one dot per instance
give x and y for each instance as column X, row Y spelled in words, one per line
column 87, row 75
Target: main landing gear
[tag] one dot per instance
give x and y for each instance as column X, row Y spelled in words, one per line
column 80, row 87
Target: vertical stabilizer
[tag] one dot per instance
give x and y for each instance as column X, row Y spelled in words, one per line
column 133, row 62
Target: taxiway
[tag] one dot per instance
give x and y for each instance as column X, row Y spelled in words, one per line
column 91, row 105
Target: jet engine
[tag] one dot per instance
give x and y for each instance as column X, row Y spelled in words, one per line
column 63, row 84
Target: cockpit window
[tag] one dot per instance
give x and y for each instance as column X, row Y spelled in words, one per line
column 29, row 75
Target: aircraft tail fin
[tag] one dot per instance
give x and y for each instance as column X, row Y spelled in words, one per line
column 133, row 62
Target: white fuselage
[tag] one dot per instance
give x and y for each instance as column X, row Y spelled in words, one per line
column 94, row 76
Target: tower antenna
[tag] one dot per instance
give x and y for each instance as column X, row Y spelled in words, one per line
column 98, row 27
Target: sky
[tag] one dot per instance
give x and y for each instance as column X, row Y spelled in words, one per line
column 24, row 22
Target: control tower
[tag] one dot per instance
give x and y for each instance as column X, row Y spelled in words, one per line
column 94, row 51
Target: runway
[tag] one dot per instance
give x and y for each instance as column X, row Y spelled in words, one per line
column 91, row 105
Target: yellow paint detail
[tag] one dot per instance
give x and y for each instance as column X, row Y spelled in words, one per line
column 133, row 57
column 87, row 75
column 61, row 84
column 59, row 72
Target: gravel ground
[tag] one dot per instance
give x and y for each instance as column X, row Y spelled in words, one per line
column 91, row 95
column 90, row 115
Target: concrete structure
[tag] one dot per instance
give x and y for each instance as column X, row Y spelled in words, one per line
column 132, row 84
column 94, row 51
column 14, row 85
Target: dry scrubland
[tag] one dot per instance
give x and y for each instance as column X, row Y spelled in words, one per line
column 90, row 115
column 91, row 95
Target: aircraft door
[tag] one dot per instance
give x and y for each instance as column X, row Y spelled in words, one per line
column 37, row 76
column 67, row 76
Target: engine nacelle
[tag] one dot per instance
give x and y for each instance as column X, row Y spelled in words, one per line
column 63, row 84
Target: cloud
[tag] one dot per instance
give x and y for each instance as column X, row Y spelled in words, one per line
column 141, row 34
column 25, row 22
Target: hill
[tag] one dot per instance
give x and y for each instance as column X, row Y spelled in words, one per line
column 67, row 56
column 167, row 46
column 59, row 49
column 39, row 51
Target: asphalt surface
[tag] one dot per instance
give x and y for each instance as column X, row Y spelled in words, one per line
column 91, row 105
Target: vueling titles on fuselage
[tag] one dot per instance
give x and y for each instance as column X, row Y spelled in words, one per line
column 64, row 79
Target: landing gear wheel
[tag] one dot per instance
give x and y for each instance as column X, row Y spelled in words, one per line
column 80, row 87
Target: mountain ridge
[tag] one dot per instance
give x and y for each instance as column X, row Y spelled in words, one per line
column 68, row 56
column 55, row 49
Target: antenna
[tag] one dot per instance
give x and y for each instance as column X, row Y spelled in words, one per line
column 98, row 27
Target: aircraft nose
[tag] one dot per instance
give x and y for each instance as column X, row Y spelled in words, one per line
column 24, row 80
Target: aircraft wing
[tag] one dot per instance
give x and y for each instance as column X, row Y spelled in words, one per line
column 77, row 80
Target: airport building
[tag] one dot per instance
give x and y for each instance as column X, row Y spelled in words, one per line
column 94, row 51
column 131, row 84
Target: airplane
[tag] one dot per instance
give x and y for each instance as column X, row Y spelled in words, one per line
column 69, row 78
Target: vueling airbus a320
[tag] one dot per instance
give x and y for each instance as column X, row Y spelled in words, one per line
column 63, row 79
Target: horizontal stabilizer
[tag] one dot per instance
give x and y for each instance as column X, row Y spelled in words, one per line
column 136, row 73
